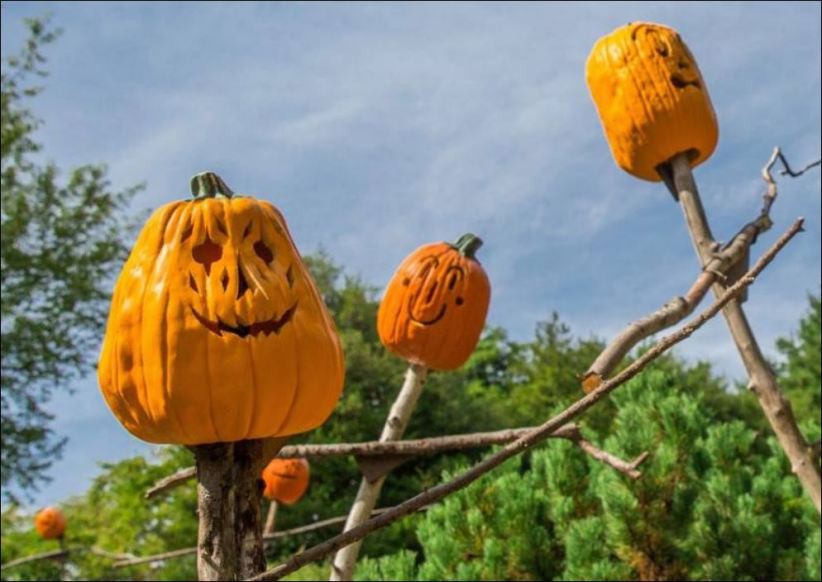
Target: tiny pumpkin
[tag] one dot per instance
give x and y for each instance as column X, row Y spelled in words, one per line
column 216, row 331
column 434, row 307
column 50, row 523
column 286, row 480
column 651, row 98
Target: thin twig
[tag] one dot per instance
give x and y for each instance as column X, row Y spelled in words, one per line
column 417, row 447
column 52, row 555
column 533, row 437
column 171, row 481
column 303, row 529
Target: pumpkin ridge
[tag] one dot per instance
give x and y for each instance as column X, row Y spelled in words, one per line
column 145, row 283
column 165, row 368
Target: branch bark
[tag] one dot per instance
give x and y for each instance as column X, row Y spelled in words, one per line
column 533, row 437
column 762, row 380
column 344, row 562
column 723, row 265
column 417, row 447
column 229, row 488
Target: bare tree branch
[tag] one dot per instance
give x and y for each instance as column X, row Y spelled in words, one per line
column 410, row 448
column 718, row 268
column 52, row 555
column 135, row 561
column 533, row 437
column 171, row 482
column 762, row 380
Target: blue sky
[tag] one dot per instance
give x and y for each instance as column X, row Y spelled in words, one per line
column 379, row 127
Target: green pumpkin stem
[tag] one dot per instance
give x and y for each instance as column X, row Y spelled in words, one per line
column 209, row 185
column 468, row 244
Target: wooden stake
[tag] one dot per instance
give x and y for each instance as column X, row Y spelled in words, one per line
column 271, row 518
column 346, row 558
column 229, row 488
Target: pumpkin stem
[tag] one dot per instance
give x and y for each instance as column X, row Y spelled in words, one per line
column 209, row 185
column 468, row 244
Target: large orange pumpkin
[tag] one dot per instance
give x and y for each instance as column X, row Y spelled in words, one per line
column 50, row 523
column 651, row 98
column 286, row 480
column 216, row 331
column 435, row 305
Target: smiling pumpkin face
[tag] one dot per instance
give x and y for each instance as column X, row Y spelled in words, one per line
column 651, row 98
column 216, row 331
column 435, row 305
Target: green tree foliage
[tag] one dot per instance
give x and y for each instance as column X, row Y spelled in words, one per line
column 717, row 501
column 800, row 375
column 61, row 242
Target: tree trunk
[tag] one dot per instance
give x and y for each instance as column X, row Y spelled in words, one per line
column 229, row 488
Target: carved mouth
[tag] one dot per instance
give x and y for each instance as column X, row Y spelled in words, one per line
column 430, row 321
column 273, row 325
column 681, row 82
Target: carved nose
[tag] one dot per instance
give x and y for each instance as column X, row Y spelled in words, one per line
column 242, row 285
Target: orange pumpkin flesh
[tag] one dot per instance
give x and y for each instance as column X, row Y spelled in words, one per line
column 50, row 523
column 286, row 480
column 651, row 99
column 435, row 305
column 216, row 331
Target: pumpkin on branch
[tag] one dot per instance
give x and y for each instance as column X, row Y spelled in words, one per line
column 651, row 99
column 218, row 339
column 435, row 305
column 217, row 332
column 431, row 315
column 286, row 480
column 50, row 523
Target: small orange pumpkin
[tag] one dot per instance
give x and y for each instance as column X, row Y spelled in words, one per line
column 217, row 332
column 651, row 98
column 50, row 523
column 435, row 305
column 286, row 480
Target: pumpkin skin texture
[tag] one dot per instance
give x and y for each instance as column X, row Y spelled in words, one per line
column 216, row 331
column 434, row 307
column 651, row 98
column 50, row 523
column 286, row 480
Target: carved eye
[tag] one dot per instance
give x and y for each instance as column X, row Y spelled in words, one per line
column 661, row 49
column 406, row 281
column 263, row 251
column 206, row 253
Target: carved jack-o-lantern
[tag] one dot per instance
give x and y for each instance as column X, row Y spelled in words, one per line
column 216, row 331
column 50, row 523
column 651, row 98
column 435, row 305
column 286, row 480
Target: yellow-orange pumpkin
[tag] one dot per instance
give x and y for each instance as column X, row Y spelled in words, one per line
column 216, row 331
column 50, row 523
column 651, row 98
column 286, row 480
column 435, row 305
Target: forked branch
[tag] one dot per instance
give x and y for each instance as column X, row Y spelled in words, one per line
column 532, row 437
